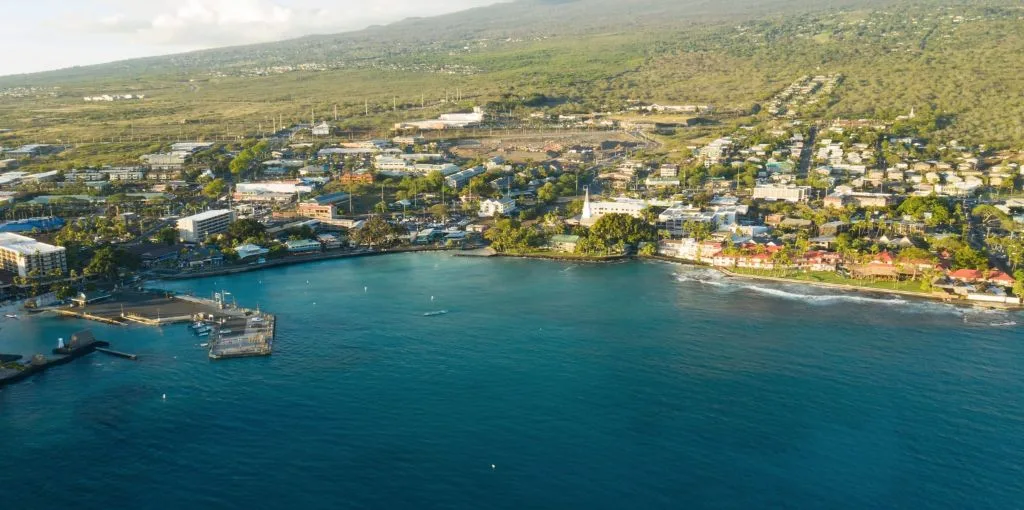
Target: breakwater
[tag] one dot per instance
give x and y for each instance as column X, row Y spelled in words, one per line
column 39, row 365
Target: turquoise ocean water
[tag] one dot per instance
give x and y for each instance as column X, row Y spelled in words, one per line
column 547, row 385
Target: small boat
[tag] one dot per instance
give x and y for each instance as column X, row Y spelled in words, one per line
column 1003, row 324
column 10, row 316
column 204, row 345
column 434, row 314
column 205, row 332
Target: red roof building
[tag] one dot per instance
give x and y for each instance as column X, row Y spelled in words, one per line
column 1000, row 278
column 967, row 275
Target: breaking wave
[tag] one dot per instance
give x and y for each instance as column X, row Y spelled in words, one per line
column 822, row 298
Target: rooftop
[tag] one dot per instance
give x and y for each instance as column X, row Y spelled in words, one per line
column 25, row 245
column 207, row 215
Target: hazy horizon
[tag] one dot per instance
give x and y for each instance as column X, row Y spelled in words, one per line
column 56, row 34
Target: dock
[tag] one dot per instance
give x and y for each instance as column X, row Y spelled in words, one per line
column 244, row 337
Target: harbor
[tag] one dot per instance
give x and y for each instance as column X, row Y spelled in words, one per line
column 229, row 330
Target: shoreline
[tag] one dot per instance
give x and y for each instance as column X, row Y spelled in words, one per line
column 939, row 298
column 292, row 261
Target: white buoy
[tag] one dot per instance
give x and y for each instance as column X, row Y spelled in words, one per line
column 493, row 466
column 165, row 396
column 366, row 289
column 431, row 298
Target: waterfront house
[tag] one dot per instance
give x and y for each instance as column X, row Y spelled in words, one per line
column 566, row 243
column 303, row 246
column 203, row 256
column 967, row 275
column 246, row 251
column 1002, row 279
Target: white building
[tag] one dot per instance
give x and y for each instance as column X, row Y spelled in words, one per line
column 773, row 192
column 460, row 179
column 196, row 228
column 322, row 129
column 22, row 255
column 255, row 188
column 495, row 206
column 250, row 250
column 125, row 173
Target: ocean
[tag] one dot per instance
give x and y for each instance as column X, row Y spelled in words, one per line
column 546, row 385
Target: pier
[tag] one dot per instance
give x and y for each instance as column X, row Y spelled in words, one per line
column 116, row 354
column 244, row 337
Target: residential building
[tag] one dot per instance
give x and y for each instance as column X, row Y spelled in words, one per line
column 329, row 241
column 495, row 206
column 165, row 161
column 772, row 192
column 196, row 228
column 317, row 211
column 304, row 246
column 566, row 243
column 124, row 173
column 460, row 179
column 22, row 255
column 246, row 251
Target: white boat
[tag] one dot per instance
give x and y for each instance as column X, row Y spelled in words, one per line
column 204, row 345
column 433, row 314
column 10, row 316
column 1003, row 324
column 205, row 332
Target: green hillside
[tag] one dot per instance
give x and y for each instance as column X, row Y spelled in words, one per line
column 956, row 62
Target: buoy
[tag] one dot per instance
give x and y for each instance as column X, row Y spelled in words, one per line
column 492, row 466
column 165, row 396
column 431, row 298
column 365, row 289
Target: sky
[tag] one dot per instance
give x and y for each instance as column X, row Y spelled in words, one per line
column 41, row 35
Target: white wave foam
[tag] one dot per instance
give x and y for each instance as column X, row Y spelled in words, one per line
column 823, row 298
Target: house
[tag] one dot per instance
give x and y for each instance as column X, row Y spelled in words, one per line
column 303, row 246
column 1002, row 279
column 967, row 275
column 246, row 251
column 329, row 241
column 202, row 257
column 566, row 243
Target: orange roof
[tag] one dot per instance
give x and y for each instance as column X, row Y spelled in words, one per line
column 967, row 274
column 999, row 276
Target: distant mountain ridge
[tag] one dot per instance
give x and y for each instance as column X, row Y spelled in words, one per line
column 520, row 18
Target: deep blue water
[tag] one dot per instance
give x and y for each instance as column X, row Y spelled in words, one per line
column 616, row 386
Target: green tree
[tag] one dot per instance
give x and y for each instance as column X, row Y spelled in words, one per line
column 377, row 232
column 168, row 236
column 214, row 188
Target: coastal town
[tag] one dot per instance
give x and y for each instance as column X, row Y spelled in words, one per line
column 860, row 204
